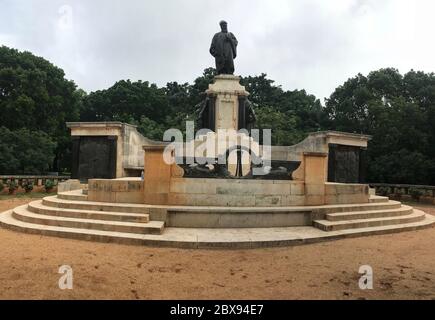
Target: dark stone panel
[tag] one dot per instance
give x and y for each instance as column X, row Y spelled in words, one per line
column 242, row 114
column 246, row 114
column 95, row 157
column 211, row 113
column 346, row 164
column 207, row 114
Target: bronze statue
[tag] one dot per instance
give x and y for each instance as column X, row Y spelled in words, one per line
column 224, row 49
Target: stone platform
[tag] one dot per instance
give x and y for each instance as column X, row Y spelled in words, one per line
column 72, row 215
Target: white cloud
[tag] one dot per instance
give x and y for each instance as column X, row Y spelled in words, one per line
column 306, row 44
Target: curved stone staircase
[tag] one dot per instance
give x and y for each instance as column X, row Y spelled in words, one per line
column 71, row 215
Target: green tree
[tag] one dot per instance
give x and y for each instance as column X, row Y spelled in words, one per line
column 25, row 152
column 398, row 111
column 126, row 101
column 35, row 95
column 283, row 126
column 151, row 129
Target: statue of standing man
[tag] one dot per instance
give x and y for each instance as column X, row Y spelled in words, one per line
column 224, row 49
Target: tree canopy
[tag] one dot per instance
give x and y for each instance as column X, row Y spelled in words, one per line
column 398, row 111
column 25, row 151
column 35, row 95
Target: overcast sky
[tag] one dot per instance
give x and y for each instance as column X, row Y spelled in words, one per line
column 314, row 45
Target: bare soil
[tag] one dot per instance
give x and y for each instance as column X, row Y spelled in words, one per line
column 403, row 266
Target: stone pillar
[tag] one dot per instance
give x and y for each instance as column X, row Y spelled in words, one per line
column 226, row 90
column 157, row 176
column 315, row 166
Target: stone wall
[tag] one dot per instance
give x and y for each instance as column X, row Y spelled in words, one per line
column 406, row 192
column 319, row 142
column 117, row 191
column 228, row 192
column 239, row 193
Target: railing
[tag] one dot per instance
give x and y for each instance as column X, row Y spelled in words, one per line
column 406, row 192
column 37, row 180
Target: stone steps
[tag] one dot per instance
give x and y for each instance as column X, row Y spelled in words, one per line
column 76, row 195
column 371, row 206
column 54, row 201
column 264, row 217
column 23, row 214
column 377, row 199
column 38, row 207
column 207, row 217
column 211, row 238
column 357, row 215
column 327, row 225
column 71, row 216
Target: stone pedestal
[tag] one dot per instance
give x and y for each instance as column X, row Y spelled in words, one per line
column 315, row 167
column 157, row 176
column 227, row 94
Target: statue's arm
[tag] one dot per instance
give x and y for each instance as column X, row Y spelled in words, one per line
column 213, row 47
column 234, row 40
column 234, row 44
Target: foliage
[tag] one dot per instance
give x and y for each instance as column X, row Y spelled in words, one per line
column 2, row 186
column 415, row 192
column 383, row 191
column 25, row 152
column 399, row 112
column 124, row 101
column 49, row 185
column 27, row 185
column 35, row 95
column 151, row 129
column 12, row 186
column 399, row 191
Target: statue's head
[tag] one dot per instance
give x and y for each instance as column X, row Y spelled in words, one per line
column 224, row 26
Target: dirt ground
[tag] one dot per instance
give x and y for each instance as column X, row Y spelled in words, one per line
column 403, row 266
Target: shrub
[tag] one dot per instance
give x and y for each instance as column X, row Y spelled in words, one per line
column 12, row 186
column 27, row 186
column 48, row 185
column 2, row 186
column 399, row 191
column 415, row 193
column 383, row 191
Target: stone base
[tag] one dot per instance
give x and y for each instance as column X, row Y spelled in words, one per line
column 135, row 224
column 70, row 185
column 229, row 192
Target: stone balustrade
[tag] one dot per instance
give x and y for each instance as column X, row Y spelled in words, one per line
column 38, row 181
column 406, row 192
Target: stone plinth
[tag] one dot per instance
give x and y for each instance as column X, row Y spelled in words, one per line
column 227, row 90
column 157, row 176
column 315, row 167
